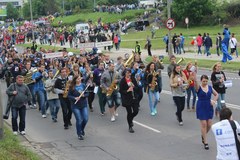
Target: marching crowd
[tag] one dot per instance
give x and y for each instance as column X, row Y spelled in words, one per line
column 71, row 83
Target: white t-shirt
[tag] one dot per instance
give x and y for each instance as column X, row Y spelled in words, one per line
column 226, row 145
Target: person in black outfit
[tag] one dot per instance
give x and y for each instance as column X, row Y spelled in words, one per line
column 59, row 87
column 129, row 93
column 174, row 38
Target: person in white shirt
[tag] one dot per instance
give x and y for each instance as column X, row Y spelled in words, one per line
column 233, row 44
column 224, row 135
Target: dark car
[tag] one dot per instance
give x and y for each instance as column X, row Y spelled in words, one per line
column 138, row 25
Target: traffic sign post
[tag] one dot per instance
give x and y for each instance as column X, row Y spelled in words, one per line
column 170, row 23
column 187, row 21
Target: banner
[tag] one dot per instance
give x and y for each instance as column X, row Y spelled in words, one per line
column 53, row 55
column 96, row 44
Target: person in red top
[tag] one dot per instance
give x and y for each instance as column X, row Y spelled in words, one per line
column 115, row 41
column 199, row 43
column 61, row 38
column 189, row 71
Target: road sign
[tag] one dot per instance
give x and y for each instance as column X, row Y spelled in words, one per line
column 186, row 20
column 170, row 23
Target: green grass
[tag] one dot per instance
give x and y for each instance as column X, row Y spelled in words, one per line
column 10, row 148
column 106, row 17
column 47, row 47
column 128, row 40
column 232, row 66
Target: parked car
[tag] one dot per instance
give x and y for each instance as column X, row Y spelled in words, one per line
column 137, row 25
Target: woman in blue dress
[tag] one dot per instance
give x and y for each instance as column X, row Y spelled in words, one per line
column 205, row 105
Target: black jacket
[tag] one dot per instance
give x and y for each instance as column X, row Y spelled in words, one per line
column 127, row 97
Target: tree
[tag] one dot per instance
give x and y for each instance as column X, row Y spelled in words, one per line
column 195, row 10
column 12, row 12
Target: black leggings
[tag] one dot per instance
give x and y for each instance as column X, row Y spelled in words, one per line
column 132, row 111
column 90, row 99
column 180, row 103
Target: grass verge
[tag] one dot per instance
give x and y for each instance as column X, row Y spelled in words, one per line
column 11, row 149
column 202, row 63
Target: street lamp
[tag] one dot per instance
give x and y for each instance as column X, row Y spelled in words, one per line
column 33, row 37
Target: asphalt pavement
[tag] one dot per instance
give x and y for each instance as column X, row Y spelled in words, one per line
column 156, row 137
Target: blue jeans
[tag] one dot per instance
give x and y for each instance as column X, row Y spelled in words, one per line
column 221, row 96
column 207, row 50
column 81, row 116
column 152, row 104
column 182, row 47
column 54, row 105
column 30, row 86
column 190, row 90
column 41, row 101
column 22, row 114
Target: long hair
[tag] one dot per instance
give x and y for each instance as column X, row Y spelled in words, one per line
column 73, row 82
column 174, row 72
column 148, row 67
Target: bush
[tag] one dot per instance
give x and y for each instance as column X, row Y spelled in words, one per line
column 233, row 9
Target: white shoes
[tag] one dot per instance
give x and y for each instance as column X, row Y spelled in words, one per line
column 116, row 113
column 15, row 133
column 22, row 132
column 44, row 116
column 113, row 118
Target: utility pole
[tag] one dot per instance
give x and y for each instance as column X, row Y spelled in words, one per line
column 169, row 2
column 94, row 4
column 33, row 37
column 1, row 118
column 63, row 6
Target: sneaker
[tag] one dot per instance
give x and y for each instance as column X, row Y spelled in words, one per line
column 22, row 132
column 44, row 116
column 102, row 114
column 54, row 119
column 65, row 127
column 113, row 118
column 116, row 113
column 155, row 110
column 15, row 133
column 80, row 137
column 153, row 113
column 180, row 123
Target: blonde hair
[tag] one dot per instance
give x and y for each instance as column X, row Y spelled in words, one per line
column 188, row 63
column 214, row 66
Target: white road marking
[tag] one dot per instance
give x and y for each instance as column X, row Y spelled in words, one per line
column 147, row 127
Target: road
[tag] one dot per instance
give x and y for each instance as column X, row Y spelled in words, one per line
column 156, row 137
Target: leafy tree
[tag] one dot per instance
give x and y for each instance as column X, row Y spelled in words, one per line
column 195, row 10
column 12, row 12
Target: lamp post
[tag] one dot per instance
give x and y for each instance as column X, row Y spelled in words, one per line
column 33, row 37
column 63, row 3
column 169, row 2
column 1, row 117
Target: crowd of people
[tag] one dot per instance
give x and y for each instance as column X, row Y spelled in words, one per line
column 71, row 82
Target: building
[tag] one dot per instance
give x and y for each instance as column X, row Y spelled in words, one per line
column 16, row 3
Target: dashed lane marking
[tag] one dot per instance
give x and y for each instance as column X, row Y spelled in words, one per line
column 147, row 127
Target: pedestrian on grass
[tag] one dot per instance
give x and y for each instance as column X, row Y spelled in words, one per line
column 148, row 45
column 218, row 43
column 208, row 44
